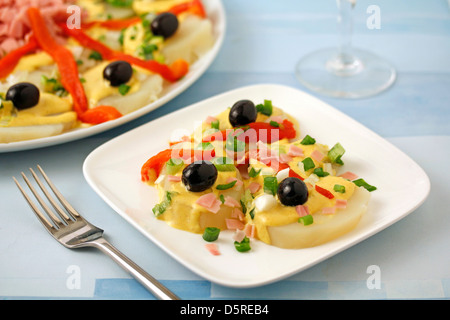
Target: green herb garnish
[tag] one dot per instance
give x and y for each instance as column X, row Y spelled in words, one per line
column 339, row 188
column 270, row 185
column 96, row 56
column 320, row 173
column 173, row 166
column 124, row 88
column 161, row 207
column 224, row 164
column 253, row 173
column 335, row 154
column 308, row 163
column 307, row 140
column 211, row 234
column 361, row 183
column 226, row 186
column 306, row 220
column 265, row 108
column 242, row 246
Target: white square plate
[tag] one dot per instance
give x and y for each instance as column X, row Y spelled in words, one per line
column 113, row 171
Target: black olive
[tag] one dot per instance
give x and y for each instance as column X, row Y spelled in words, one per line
column 292, row 192
column 165, row 24
column 242, row 112
column 199, row 176
column 118, row 72
column 23, row 95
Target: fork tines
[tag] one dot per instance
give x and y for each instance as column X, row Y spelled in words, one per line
column 61, row 217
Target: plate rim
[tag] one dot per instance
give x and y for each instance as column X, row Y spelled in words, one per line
column 78, row 134
column 425, row 191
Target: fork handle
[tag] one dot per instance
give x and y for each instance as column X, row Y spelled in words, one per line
column 153, row 285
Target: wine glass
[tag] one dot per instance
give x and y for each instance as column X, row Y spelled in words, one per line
column 345, row 72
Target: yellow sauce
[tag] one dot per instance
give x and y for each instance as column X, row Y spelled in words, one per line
column 51, row 109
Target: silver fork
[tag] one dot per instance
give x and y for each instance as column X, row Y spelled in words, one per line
column 73, row 231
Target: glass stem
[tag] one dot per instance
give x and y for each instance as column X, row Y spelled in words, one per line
column 345, row 26
column 345, row 63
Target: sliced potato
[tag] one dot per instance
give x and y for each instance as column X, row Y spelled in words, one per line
column 325, row 227
column 148, row 92
column 193, row 38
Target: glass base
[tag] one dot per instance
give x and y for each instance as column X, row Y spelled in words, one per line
column 364, row 75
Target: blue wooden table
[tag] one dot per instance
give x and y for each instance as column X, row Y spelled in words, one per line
column 264, row 41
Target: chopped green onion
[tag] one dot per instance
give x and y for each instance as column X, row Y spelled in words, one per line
column 265, row 108
column 361, row 183
column 242, row 246
column 224, row 164
column 252, row 213
column 205, row 146
column 308, row 163
column 244, row 208
column 222, row 198
column 320, row 173
column 233, row 144
column 120, row 3
column 211, row 234
column 306, row 220
column 308, row 140
column 226, row 186
column 274, row 124
column 336, row 153
column 123, row 89
column 270, row 185
column 173, row 166
column 339, row 188
column 253, row 173
column 215, row 124
column 96, row 56
column 161, row 207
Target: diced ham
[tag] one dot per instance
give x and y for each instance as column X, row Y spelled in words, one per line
column 349, row 175
column 302, row 210
column 250, row 230
column 284, row 158
column 295, row 151
column 231, row 202
column 237, row 213
column 210, row 202
column 238, row 184
column 212, row 248
column 239, row 235
column 329, row 210
column 341, row 203
column 15, row 26
column 234, row 224
column 317, row 155
column 254, row 187
column 278, row 119
column 174, row 178
column 210, row 119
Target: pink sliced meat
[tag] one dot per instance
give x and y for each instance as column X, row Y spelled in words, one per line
column 212, row 248
column 15, row 26
column 349, row 175
column 210, row 202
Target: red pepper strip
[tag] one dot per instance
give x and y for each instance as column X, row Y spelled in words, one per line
column 9, row 62
column 294, row 174
column 100, row 114
column 195, row 7
column 324, row 192
column 153, row 166
column 112, row 24
column 64, row 59
column 172, row 73
column 265, row 132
